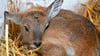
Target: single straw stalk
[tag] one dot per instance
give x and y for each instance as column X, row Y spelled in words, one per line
column 6, row 38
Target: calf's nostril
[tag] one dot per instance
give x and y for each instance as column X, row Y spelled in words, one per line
column 37, row 44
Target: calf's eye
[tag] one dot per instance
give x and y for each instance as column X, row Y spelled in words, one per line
column 26, row 28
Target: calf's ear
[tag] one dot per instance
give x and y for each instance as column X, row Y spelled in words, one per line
column 54, row 8
column 13, row 17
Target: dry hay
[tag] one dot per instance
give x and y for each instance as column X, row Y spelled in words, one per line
column 15, row 46
column 92, row 12
column 14, row 49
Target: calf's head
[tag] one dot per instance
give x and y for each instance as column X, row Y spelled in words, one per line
column 34, row 22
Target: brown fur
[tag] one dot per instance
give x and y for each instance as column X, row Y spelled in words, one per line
column 70, row 30
column 68, row 34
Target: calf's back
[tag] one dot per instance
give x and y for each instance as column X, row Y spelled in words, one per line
column 70, row 34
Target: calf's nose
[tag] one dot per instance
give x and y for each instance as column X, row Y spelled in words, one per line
column 37, row 44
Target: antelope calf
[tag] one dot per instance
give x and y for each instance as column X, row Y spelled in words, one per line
column 57, row 31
